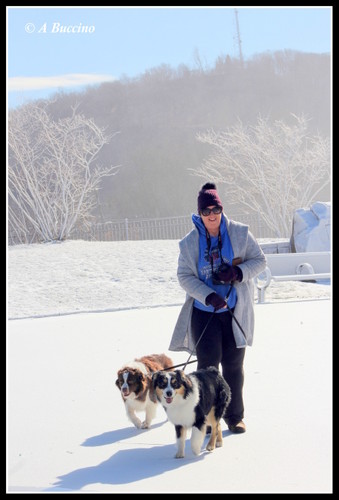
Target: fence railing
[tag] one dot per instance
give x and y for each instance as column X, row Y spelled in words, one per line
column 136, row 229
column 165, row 228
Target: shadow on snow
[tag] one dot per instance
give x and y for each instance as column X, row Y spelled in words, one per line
column 128, row 466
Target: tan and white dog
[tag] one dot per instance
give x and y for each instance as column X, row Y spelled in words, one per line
column 134, row 379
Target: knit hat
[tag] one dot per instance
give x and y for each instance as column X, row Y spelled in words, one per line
column 208, row 196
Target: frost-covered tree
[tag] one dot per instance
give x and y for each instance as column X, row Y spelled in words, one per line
column 269, row 168
column 52, row 172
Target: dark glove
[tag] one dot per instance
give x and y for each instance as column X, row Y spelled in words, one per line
column 214, row 300
column 229, row 273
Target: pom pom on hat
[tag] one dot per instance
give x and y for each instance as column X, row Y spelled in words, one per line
column 208, row 196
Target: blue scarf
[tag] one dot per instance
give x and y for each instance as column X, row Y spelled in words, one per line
column 209, row 255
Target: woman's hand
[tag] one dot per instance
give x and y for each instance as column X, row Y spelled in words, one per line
column 229, row 273
column 216, row 301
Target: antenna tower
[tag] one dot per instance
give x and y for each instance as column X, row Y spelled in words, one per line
column 238, row 39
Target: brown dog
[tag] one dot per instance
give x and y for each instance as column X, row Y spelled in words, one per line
column 134, row 380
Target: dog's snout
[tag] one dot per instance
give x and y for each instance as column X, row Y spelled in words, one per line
column 169, row 394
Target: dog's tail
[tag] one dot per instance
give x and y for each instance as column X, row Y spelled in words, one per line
column 223, row 400
column 156, row 362
column 166, row 361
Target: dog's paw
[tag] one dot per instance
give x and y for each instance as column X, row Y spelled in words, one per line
column 218, row 444
column 137, row 424
column 210, row 445
column 145, row 425
column 196, row 450
column 179, row 455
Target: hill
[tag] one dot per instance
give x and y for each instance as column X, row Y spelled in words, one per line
column 159, row 113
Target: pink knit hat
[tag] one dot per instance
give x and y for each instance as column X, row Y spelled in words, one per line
column 208, row 196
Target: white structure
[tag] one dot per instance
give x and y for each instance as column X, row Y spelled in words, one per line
column 307, row 266
column 311, row 229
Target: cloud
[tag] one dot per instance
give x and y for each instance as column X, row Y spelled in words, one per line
column 23, row 83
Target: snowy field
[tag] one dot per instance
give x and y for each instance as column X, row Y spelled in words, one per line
column 83, row 276
column 67, row 428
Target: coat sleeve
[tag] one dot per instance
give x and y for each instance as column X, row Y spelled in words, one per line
column 254, row 260
column 246, row 247
column 187, row 271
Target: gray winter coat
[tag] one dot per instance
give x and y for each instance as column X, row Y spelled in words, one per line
column 253, row 259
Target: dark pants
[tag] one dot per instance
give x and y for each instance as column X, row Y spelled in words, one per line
column 217, row 345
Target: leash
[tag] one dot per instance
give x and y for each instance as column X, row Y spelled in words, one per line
column 181, row 364
column 237, row 322
column 194, row 360
column 202, row 333
column 204, row 330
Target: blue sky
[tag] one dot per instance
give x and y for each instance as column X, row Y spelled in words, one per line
column 108, row 43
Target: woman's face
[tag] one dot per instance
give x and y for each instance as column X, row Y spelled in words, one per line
column 211, row 221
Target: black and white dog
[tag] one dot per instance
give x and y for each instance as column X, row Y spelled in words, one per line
column 193, row 401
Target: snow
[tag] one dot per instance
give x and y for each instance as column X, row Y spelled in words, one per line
column 82, row 276
column 78, row 310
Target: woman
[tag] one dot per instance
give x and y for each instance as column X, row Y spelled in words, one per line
column 217, row 262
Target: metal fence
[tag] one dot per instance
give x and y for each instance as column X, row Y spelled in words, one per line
column 165, row 228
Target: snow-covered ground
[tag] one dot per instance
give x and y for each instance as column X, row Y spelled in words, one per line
column 67, row 428
column 82, row 276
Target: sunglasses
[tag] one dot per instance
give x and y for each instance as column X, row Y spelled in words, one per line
column 206, row 211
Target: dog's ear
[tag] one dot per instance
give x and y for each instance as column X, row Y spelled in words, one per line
column 180, row 376
column 117, row 383
column 185, row 381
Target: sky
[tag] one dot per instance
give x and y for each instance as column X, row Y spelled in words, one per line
column 84, row 314
column 57, row 48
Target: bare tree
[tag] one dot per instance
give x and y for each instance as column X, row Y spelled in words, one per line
column 272, row 169
column 52, row 172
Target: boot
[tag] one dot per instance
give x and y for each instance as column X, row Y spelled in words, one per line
column 237, row 428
